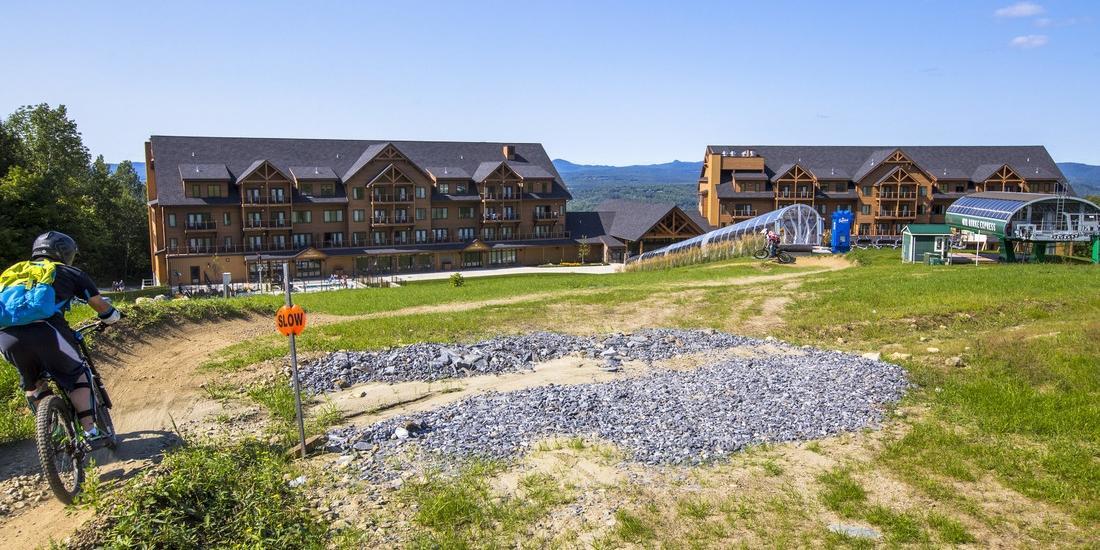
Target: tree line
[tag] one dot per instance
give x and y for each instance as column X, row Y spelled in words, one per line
column 48, row 181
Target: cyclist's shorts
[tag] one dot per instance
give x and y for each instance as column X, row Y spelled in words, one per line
column 43, row 347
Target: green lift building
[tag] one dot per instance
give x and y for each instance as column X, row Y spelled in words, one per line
column 920, row 239
column 1034, row 218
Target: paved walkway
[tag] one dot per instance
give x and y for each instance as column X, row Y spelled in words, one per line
column 590, row 269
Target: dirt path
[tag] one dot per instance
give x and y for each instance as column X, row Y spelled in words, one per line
column 155, row 383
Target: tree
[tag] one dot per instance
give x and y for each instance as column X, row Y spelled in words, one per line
column 583, row 249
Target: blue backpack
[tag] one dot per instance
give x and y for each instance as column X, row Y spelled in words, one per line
column 26, row 293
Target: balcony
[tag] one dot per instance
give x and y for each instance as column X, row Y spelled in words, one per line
column 391, row 220
column 794, row 195
column 498, row 218
column 248, row 200
column 909, row 195
column 743, row 213
column 392, row 199
column 499, row 197
column 900, row 214
column 202, row 225
column 541, row 215
column 260, row 225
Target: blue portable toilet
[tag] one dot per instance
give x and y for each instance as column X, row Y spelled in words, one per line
column 841, row 240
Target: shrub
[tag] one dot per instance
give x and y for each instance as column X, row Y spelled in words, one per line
column 208, row 497
column 457, row 280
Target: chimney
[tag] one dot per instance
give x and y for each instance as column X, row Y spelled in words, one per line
column 510, row 152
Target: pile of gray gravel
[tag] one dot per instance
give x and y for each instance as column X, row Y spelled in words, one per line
column 666, row 417
column 430, row 362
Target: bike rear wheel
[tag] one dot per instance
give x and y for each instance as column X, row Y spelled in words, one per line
column 785, row 257
column 59, row 450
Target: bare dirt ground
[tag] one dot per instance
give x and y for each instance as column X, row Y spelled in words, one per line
column 156, row 385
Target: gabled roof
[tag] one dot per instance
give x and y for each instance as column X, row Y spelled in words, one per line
column 982, row 173
column 485, row 169
column 890, row 173
column 256, row 166
column 204, row 172
column 633, row 219
column 368, row 155
column 237, row 154
column 447, row 172
column 927, row 229
column 960, row 161
column 308, row 173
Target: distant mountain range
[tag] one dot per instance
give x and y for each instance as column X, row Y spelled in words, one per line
column 1085, row 178
column 654, row 180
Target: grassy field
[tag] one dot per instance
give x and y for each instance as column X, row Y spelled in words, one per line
column 1002, row 449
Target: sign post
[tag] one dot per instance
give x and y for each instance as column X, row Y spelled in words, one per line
column 290, row 320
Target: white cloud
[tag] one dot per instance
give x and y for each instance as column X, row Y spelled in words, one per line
column 1044, row 22
column 1020, row 9
column 1029, row 41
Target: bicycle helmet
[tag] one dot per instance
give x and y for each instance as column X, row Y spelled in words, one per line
column 56, row 246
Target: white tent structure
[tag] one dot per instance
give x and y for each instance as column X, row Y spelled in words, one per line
column 798, row 225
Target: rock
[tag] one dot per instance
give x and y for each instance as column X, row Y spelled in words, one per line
column 297, row 482
column 899, row 356
column 855, row 531
column 401, row 433
column 955, row 361
column 339, row 383
column 873, row 355
column 933, row 350
column 160, row 298
column 142, row 300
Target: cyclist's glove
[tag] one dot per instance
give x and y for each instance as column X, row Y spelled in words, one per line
column 110, row 316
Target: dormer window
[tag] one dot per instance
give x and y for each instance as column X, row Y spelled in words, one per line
column 445, row 188
column 328, row 189
column 460, row 188
column 306, row 189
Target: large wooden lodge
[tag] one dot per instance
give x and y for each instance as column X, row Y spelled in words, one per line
column 886, row 188
column 246, row 206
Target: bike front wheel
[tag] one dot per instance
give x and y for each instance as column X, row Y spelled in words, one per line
column 59, row 449
column 761, row 254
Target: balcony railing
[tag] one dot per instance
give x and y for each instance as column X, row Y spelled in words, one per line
column 204, row 225
column 742, row 213
column 795, row 194
column 499, row 196
column 544, row 215
column 901, row 195
column 491, row 217
column 266, row 224
column 896, row 214
column 249, row 200
column 377, row 197
column 249, row 248
column 392, row 220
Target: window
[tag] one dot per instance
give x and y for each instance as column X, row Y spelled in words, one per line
column 378, row 237
column 357, row 193
column 865, row 209
column 921, row 191
column 867, row 190
column 542, row 230
column 359, row 238
column 920, row 209
column 822, row 208
column 173, row 243
column 440, row 235
column 306, row 188
column 333, row 216
column 401, row 237
column 302, row 216
column 171, row 220
column 864, row 229
column 255, row 242
column 308, row 268
column 466, row 212
column 421, row 192
column 842, row 188
column 328, row 189
column 227, row 220
column 466, row 233
column 358, row 215
column 488, row 233
column 505, row 232
column 421, row 213
column 278, row 242
column 228, row 243
column 302, row 240
column 421, row 235
column 445, row 189
column 214, row 190
column 439, row 213
column 196, row 190
column 334, row 239
column 937, row 209
column 501, row 257
column 277, row 195
column 401, row 215
column 507, row 190
column 460, row 188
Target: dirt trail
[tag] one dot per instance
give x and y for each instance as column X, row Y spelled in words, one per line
column 155, row 383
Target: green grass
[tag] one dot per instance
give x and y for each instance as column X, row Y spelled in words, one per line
column 632, row 528
column 207, row 497
column 841, row 493
column 462, row 511
column 277, row 398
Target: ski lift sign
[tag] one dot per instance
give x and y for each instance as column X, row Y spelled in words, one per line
column 290, row 320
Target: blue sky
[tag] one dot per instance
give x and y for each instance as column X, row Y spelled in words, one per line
column 596, row 82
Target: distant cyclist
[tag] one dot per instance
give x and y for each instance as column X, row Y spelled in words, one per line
column 773, row 243
column 48, row 345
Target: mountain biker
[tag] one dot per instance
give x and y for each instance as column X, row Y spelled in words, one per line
column 49, row 345
column 773, row 243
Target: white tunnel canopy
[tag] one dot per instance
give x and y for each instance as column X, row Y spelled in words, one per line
column 798, row 224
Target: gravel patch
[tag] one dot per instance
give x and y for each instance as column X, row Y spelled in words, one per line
column 666, row 417
column 430, row 361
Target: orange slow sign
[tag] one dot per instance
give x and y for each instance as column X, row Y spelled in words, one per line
column 290, row 320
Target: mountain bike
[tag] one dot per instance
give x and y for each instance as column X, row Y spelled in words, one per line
column 781, row 256
column 63, row 450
